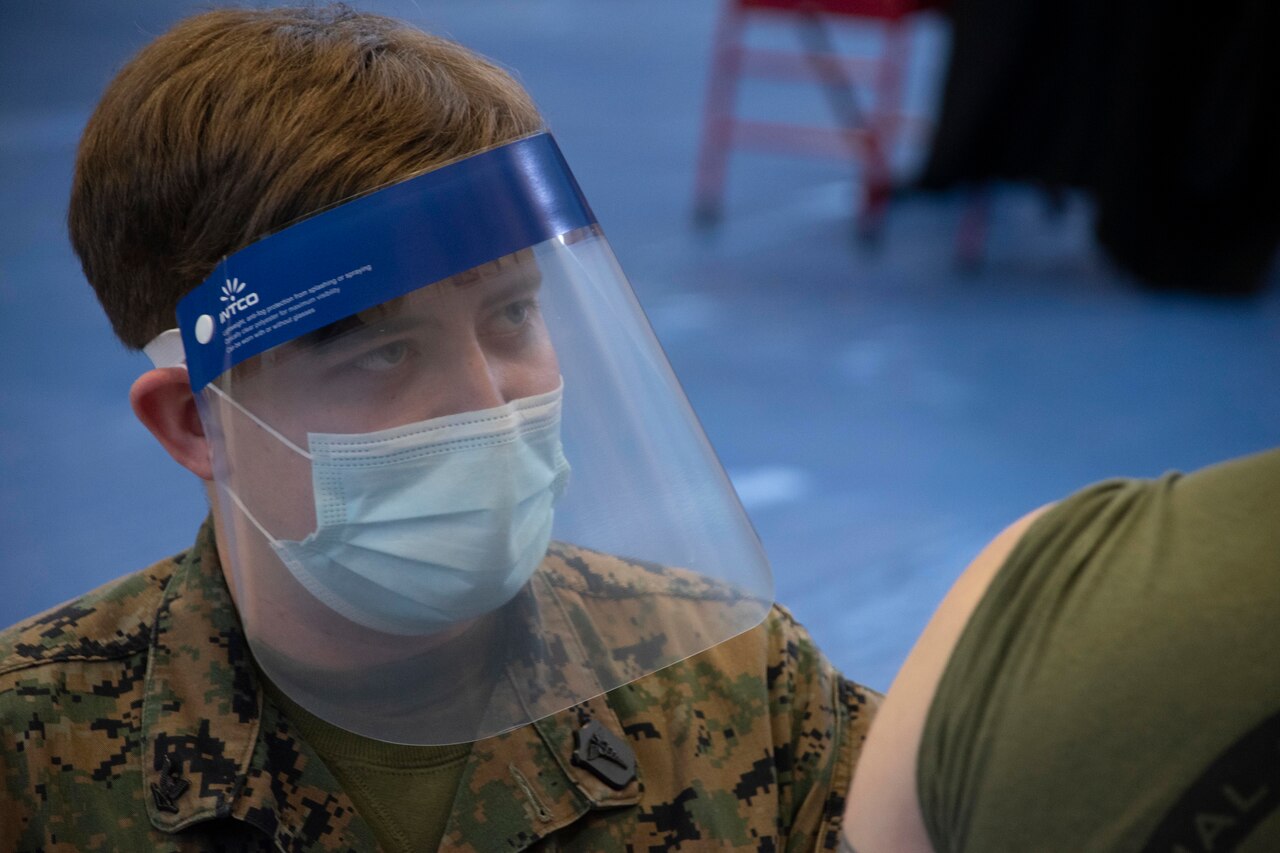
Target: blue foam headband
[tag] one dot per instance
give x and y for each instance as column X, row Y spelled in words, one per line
column 376, row 248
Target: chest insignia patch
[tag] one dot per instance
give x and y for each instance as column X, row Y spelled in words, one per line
column 604, row 754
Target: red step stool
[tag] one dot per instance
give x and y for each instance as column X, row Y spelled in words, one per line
column 866, row 136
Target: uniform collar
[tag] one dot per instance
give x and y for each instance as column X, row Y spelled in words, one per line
column 521, row 786
column 214, row 749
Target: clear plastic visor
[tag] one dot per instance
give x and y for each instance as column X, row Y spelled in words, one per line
column 476, row 504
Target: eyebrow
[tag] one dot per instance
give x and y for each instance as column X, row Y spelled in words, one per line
column 326, row 334
column 522, row 284
column 364, row 320
column 361, row 322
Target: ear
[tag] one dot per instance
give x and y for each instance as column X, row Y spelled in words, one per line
column 163, row 401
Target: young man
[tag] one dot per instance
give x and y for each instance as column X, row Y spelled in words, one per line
column 376, row 301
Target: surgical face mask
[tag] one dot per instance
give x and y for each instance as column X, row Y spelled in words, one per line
column 426, row 526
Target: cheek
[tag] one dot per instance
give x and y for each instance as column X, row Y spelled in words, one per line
column 273, row 482
column 536, row 373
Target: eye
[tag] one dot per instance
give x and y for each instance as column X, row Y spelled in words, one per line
column 517, row 314
column 383, row 358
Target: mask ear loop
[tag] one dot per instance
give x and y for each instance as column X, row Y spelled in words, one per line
column 260, row 422
column 166, row 350
column 273, row 432
column 249, row 515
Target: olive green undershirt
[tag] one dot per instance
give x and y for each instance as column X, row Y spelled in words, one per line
column 404, row 793
column 1125, row 648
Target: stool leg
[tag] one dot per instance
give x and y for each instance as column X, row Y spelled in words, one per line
column 891, row 74
column 860, row 130
column 895, row 57
column 717, row 115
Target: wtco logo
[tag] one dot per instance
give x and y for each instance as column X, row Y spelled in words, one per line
column 231, row 294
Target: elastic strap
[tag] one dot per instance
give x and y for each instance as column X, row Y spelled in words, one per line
column 244, row 509
column 257, row 420
column 165, row 349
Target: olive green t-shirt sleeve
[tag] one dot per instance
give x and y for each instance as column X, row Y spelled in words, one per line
column 1126, row 646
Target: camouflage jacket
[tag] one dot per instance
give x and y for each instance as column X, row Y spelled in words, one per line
column 132, row 719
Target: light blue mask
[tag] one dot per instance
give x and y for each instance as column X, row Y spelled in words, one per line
column 425, row 526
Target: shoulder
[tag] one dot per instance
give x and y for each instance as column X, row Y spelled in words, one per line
column 71, row 686
column 1238, row 488
column 108, row 623
column 763, row 726
column 635, row 617
column 1207, row 498
column 1138, row 523
column 707, row 631
column 884, row 814
column 817, row 713
column 594, row 574
column 776, row 660
column 95, row 645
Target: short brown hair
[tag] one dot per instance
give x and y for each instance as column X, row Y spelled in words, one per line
column 237, row 122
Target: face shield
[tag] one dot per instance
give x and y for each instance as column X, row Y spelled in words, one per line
column 459, row 488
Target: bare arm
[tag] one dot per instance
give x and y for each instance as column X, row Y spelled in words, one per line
column 883, row 814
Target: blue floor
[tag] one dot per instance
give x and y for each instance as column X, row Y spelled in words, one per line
column 882, row 413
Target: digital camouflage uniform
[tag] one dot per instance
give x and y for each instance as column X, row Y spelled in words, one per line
column 132, row 719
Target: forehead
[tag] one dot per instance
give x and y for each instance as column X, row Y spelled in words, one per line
column 517, row 263
column 516, row 272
